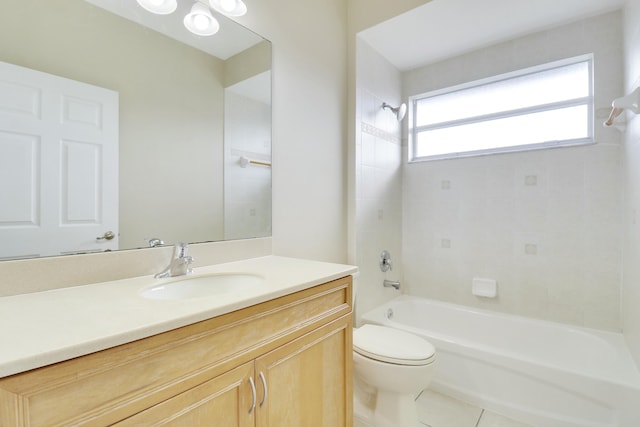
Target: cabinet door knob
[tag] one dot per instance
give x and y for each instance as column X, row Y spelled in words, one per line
column 253, row 394
column 264, row 386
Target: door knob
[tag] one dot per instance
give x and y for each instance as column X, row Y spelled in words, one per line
column 109, row 235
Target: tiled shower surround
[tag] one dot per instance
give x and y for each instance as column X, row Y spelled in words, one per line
column 545, row 224
column 378, row 177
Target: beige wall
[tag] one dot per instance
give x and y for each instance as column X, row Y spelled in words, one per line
column 248, row 63
column 631, row 164
column 309, row 123
column 554, row 247
column 367, row 13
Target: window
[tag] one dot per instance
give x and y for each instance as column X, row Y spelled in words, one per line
column 545, row 106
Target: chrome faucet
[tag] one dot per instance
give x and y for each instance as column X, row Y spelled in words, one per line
column 154, row 242
column 179, row 265
column 385, row 261
column 391, row 284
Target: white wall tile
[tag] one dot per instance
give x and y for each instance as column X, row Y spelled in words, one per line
column 379, row 187
column 545, row 223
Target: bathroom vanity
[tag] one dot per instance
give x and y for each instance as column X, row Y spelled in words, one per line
column 277, row 354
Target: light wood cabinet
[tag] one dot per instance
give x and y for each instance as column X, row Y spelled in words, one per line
column 285, row 362
column 221, row 401
column 309, row 380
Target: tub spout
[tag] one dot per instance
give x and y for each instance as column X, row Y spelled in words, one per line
column 391, row 284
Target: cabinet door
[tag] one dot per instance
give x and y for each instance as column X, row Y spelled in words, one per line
column 224, row 401
column 309, row 380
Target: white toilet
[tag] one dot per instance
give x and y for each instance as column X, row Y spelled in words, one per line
column 390, row 368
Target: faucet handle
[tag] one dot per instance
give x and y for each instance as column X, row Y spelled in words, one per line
column 385, row 261
column 154, row 242
column 180, row 250
column 188, row 260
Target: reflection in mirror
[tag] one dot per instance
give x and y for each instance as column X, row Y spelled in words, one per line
column 82, row 85
column 247, row 168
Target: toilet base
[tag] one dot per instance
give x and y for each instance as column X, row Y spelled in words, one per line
column 373, row 408
column 395, row 410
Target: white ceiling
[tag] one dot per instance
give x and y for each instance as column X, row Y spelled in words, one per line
column 444, row 28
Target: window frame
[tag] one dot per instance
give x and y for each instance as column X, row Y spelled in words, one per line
column 588, row 100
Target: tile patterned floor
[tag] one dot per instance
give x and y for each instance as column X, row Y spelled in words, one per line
column 438, row 410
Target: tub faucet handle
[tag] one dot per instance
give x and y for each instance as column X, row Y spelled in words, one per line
column 385, row 261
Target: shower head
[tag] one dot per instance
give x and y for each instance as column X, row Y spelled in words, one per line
column 398, row 111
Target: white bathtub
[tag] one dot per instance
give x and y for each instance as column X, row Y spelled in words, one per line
column 541, row 373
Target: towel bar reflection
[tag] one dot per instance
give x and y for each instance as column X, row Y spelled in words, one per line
column 244, row 162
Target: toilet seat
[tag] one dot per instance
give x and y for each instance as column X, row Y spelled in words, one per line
column 391, row 345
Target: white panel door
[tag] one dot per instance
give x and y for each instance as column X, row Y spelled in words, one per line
column 58, row 165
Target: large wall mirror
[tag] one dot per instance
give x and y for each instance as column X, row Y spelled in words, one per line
column 118, row 126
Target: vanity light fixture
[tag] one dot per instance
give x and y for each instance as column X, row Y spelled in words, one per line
column 200, row 21
column 229, row 7
column 159, row 7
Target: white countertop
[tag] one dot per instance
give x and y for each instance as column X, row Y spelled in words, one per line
column 42, row 328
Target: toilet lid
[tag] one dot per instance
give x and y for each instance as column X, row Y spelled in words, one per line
column 392, row 345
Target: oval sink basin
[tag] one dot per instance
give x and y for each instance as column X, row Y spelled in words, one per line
column 202, row 286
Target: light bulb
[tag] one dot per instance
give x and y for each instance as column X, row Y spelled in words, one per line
column 228, row 5
column 201, row 22
column 160, row 7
